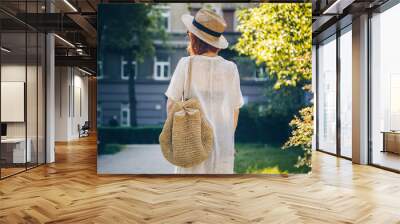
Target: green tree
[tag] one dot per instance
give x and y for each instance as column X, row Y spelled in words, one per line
column 280, row 36
column 302, row 133
column 130, row 29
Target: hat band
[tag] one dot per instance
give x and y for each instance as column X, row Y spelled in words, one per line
column 205, row 29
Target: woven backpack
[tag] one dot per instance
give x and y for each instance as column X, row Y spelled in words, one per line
column 187, row 138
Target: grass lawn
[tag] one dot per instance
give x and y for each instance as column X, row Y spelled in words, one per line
column 250, row 158
column 267, row 159
column 110, row 149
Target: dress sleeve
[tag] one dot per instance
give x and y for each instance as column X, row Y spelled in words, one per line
column 237, row 93
column 176, row 85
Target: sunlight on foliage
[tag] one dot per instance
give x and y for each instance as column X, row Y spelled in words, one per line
column 302, row 135
column 268, row 170
column 278, row 35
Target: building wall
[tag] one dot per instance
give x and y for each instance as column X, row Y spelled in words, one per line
column 227, row 10
column 176, row 11
column 151, row 101
column 62, row 104
column 71, row 102
column 113, row 91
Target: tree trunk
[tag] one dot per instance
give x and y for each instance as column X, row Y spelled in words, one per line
column 132, row 95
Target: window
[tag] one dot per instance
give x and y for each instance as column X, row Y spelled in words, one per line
column 100, row 70
column 125, row 115
column 394, row 104
column 165, row 19
column 245, row 100
column 346, row 93
column 385, row 89
column 260, row 74
column 334, row 93
column 161, row 69
column 23, row 107
column 124, row 69
column 134, row 69
column 327, row 95
column 127, row 68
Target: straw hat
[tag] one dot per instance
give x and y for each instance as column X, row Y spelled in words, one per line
column 208, row 26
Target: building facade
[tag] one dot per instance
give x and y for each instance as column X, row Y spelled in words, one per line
column 153, row 74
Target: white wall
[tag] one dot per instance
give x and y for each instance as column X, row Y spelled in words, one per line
column 71, row 94
column 16, row 73
column 33, row 126
column 80, row 100
column 10, row 73
column 61, row 103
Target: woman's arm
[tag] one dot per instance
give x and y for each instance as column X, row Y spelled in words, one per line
column 235, row 121
column 170, row 103
column 235, row 118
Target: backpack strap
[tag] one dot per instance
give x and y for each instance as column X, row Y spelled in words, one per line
column 186, row 88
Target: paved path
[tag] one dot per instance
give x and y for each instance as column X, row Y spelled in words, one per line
column 135, row 159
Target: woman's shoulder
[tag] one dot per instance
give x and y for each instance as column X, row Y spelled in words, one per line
column 222, row 61
column 226, row 62
column 229, row 64
column 184, row 59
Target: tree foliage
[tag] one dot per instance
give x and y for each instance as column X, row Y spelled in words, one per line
column 284, row 101
column 302, row 132
column 131, row 28
column 278, row 35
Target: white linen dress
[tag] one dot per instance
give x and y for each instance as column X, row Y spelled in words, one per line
column 216, row 84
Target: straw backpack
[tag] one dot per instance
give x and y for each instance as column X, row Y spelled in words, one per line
column 187, row 138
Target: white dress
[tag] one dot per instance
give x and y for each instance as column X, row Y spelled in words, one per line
column 216, row 84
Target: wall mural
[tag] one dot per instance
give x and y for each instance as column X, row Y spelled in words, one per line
column 247, row 107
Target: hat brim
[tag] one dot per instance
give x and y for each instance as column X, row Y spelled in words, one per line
column 218, row 42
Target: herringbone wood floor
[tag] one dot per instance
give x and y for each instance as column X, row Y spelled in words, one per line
column 70, row 191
